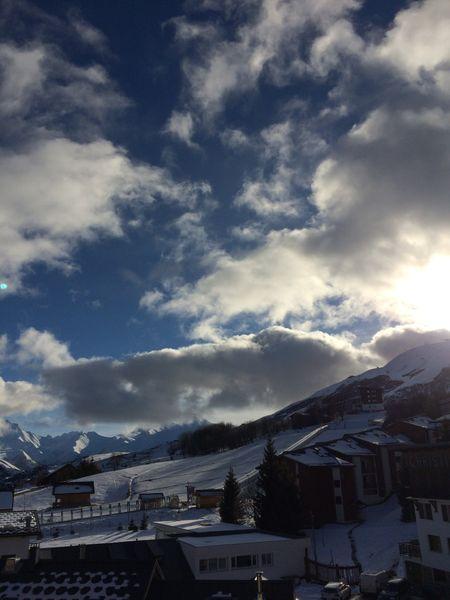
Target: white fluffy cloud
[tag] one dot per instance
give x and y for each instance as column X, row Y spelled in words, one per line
column 265, row 43
column 23, row 397
column 42, row 348
column 181, row 126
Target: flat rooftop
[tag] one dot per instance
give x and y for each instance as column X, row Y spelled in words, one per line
column 199, row 525
column 232, row 540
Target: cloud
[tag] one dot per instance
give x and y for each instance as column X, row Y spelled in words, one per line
column 23, row 397
column 249, row 374
column 64, row 183
column 265, row 43
column 42, row 348
column 373, row 201
column 181, row 126
column 3, row 346
column 392, row 341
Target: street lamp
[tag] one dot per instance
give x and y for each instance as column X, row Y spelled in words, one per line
column 259, row 578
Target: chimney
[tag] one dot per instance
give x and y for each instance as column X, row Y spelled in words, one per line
column 83, row 552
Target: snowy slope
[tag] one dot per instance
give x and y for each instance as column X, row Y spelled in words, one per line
column 426, row 368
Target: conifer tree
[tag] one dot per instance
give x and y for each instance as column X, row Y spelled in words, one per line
column 231, row 507
column 277, row 505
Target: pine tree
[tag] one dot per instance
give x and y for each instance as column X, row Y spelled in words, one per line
column 277, row 505
column 231, row 507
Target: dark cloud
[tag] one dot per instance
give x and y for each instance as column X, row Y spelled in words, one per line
column 391, row 342
column 261, row 372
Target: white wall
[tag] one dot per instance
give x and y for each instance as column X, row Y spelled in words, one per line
column 288, row 558
column 438, row 527
column 17, row 545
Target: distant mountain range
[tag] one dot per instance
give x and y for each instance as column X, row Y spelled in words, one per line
column 22, row 450
column 424, row 370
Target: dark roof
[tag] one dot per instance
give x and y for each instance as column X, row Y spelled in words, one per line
column 53, row 582
column 134, row 552
column 209, row 492
column 19, row 522
column 239, row 590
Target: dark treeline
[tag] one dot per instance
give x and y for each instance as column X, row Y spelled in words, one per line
column 225, row 436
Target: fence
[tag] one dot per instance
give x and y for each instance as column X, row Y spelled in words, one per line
column 51, row 517
column 323, row 573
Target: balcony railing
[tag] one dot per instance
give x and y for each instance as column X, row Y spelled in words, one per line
column 410, row 549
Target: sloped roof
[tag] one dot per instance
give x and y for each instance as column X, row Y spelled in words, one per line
column 349, row 448
column 318, row 456
column 19, row 522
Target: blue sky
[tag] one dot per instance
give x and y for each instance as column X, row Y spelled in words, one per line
column 213, row 208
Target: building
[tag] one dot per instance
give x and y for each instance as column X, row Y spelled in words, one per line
column 17, row 530
column 364, row 460
column 6, row 499
column 71, row 494
column 425, row 478
column 371, row 398
column 388, row 451
column 239, row 556
column 208, row 498
column 151, row 500
column 427, row 560
column 326, row 483
column 419, row 429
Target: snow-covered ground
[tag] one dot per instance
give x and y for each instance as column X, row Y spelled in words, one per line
column 377, row 539
column 106, row 529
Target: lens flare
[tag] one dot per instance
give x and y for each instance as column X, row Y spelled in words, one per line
column 3, row 286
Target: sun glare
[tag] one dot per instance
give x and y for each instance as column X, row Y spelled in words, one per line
column 426, row 294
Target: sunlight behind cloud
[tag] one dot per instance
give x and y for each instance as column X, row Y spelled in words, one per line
column 425, row 293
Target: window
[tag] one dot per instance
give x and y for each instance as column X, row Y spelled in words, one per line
column 434, row 542
column 424, row 510
column 244, row 561
column 446, row 512
column 439, row 576
column 212, row 564
column 267, row 559
column 338, row 500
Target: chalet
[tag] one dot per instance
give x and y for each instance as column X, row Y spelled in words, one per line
column 71, row 494
column 17, row 530
column 208, row 498
column 326, row 484
column 419, row 429
column 151, row 500
column 63, row 473
column 6, row 499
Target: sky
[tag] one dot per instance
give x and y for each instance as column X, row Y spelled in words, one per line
column 210, row 209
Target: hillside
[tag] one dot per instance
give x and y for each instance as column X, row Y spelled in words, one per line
column 421, row 371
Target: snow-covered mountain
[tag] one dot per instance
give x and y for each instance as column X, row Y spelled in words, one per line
column 424, row 370
column 22, row 450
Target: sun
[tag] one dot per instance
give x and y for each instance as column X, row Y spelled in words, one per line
column 425, row 294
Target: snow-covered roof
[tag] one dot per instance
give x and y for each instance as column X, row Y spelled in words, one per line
column 349, row 448
column 151, row 496
column 422, row 421
column 318, row 457
column 378, row 437
column 198, row 525
column 6, row 499
column 73, row 487
column 232, row 540
column 19, row 522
